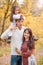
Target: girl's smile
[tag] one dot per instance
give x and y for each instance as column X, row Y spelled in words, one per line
column 26, row 35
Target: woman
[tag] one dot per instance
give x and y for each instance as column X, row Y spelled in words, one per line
column 27, row 48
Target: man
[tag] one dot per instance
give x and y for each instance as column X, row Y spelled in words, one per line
column 16, row 41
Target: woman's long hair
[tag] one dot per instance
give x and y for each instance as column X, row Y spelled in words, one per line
column 31, row 39
column 13, row 12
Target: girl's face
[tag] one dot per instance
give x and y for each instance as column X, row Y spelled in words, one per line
column 26, row 35
column 17, row 10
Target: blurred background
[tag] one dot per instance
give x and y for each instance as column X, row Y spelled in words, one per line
column 33, row 11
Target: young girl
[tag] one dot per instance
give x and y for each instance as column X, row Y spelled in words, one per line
column 15, row 14
column 27, row 48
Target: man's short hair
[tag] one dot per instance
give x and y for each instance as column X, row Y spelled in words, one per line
column 20, row 18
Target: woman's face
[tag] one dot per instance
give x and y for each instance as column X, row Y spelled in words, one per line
column 26, row 34
column 16, row 10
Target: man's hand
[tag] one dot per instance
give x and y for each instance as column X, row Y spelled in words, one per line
column 18, row 51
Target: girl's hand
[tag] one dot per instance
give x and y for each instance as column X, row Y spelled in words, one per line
column 13, row 28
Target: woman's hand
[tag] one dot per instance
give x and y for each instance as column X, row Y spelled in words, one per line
column 24, row 54
column 28, row 53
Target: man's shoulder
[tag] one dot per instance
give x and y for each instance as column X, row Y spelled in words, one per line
column 23, row 27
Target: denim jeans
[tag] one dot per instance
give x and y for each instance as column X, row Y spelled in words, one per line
column 16, row 60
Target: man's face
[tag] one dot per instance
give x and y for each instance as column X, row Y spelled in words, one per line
column 19, row 23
